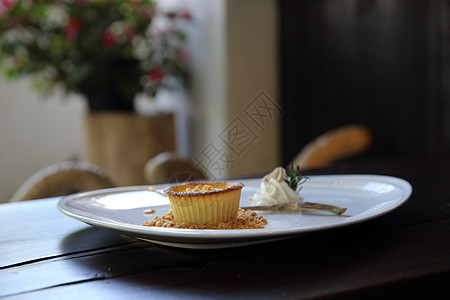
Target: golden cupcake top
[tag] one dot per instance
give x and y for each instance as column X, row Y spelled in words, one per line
column 202, row 188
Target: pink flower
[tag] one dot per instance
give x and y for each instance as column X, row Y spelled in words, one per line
column 72, row 28
column 156, row 74
column 5, row 5
column 184, row 14
column 109, row 39
column 129, row 31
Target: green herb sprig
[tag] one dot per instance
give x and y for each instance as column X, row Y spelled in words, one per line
column 295, row 179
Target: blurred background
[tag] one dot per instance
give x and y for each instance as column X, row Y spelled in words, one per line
column 265, row 78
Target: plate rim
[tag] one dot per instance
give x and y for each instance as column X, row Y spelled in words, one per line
column 191, row 236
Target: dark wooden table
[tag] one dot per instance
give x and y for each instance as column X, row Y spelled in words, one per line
column 47, row 255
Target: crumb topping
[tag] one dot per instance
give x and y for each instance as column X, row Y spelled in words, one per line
column 202, row 188
column 245, row 219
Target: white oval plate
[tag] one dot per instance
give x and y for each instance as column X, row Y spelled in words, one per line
column 122, row 209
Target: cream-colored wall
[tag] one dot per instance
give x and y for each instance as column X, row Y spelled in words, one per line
column 234, row 59
column 253, row 69
column 207, row 89
column 34, row 133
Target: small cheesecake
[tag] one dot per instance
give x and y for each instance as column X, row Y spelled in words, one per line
column 208, row 203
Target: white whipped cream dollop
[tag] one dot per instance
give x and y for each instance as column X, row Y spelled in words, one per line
column 274, row 190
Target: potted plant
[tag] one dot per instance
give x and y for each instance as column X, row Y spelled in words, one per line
column 109, row 51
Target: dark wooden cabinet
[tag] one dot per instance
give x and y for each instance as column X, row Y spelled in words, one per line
column 380, row 63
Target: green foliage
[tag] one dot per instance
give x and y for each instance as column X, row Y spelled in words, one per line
column 295, row 178
column 85, row 45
